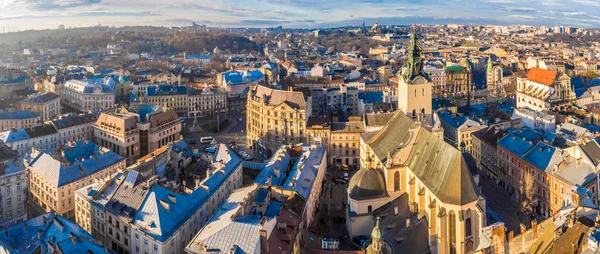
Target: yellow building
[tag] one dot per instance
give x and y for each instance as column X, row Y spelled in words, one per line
column 275, row 118
column 55, row 175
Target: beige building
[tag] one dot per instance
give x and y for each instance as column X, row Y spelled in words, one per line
column 206, row 102
column 10, row 119
column 342, row 139
column 54, row 175
column 47, row 105
column 137, row 130
column 275, row 118
column 344, row 143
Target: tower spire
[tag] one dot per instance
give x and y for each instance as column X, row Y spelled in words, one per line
column 414, row 64
column 376, row 236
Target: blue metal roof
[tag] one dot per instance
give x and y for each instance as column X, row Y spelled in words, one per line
column 160, row 223
column 238, row 77
column 371, row 96
column 57, row 229
column 21, row 114
column 84, row 159
column 143, row 110
column 540, row 156
column 515, row 144
column 17, row 135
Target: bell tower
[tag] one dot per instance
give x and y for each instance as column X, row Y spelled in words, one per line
column 414, row 85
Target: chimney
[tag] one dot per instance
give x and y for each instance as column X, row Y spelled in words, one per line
column 290, row 88
column 40, row 233
column 208, row 172
column 72, row 237
column 172, row 198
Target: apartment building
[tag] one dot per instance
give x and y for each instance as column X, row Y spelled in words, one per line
column 137, row 130
column 83, row 96
column 206, row 102
column 74, row 127
column 137, row 212
column 47, row 105
column 458, row 130
column 12, row 188
column 10, row 119
column 54, row 175
column 275, row 118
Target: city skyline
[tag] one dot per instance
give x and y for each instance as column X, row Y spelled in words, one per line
column 49, row 14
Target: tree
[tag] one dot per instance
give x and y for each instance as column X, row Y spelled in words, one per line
column 528, row 194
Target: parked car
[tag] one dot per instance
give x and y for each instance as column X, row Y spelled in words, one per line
column 339, row 181
column 346, row 177
column 206, row 140
column 210, row 149
column 345, row 167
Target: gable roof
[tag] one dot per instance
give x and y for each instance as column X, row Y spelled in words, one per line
column 440, row 166
column 542, row 76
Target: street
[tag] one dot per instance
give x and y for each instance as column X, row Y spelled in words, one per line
column 234, row 131
column 500, row 204
column 330, row 222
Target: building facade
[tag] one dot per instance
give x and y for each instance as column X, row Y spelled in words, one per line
column 82, row 96
column 74, row 127
column 18, row 119
column 543, row 89
column 47, row 105
column 275, row 118
column 137, row 130
column 13, row 183
column 206, row 102
column 55, row 175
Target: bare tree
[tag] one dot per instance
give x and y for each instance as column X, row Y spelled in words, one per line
column 528, row 195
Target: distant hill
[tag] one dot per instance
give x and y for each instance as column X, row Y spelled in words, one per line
column 173, row 40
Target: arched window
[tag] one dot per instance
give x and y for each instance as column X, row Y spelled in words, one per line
column 452, row 227
column 414, row 113
column 468, row 227
column 397, row 181
column 370, row 209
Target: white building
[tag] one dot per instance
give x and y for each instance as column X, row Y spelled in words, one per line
column 537, row 120
column 74, row 127
column 83, row 96
column 544, row 89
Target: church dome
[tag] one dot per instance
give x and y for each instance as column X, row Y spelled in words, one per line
column 367, row 184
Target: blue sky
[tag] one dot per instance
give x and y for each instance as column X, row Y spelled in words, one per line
column 41, row 14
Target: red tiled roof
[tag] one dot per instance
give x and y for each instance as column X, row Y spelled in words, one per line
column 542, row 76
